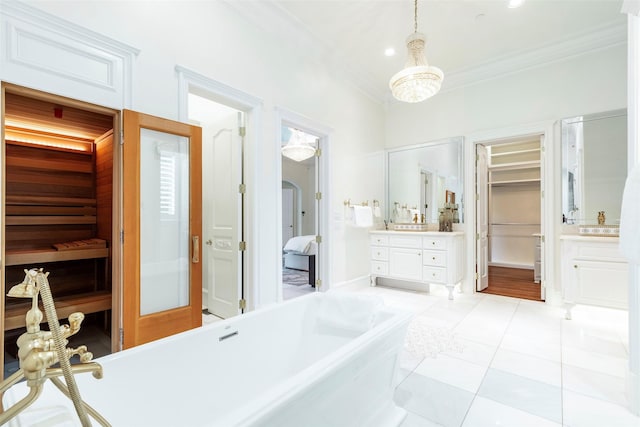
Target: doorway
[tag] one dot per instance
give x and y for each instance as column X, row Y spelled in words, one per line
column 299, row 212
column 509, row 216
column 222, row 204
column 60, row 213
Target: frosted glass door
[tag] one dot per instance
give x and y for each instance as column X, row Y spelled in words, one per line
column 162, row 225
column 165, row 245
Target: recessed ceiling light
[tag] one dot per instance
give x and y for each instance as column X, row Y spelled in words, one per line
column 389, row 51
column 512, row 4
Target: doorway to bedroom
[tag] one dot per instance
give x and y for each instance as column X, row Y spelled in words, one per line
column 300, row 157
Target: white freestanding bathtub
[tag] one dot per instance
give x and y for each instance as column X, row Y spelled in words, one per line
column 308, row 362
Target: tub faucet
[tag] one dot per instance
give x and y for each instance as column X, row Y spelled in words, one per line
column 39, row 350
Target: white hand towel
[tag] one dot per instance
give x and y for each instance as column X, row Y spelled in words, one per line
column 630, row 217
column 362, row 216
column 377, row 212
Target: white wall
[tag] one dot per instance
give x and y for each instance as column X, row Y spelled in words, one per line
column 212, row 39
column 304, row 176
column 589, row 83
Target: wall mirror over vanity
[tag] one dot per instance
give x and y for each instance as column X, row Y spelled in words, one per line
column 421, row 180
column 594, row 168
column 594, row 171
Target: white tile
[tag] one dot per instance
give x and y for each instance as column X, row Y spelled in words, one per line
column 528, row 366
column 538, row 348
column 472, row 351
column 594, row 384
column 608, row 344
column 453, row 371
column 616, row 366
column 414, row 420
column 478, row 332
column 433, row 400
column 486, row 413
column 584, row 411
column 534, row 397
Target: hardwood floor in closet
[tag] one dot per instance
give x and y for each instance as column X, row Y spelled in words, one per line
column 512, row 282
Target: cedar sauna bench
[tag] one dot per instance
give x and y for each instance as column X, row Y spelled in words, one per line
column 58, row 204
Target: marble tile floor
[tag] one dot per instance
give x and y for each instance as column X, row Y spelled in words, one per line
column 486, row 360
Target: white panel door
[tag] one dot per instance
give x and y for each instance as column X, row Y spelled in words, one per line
column 222, row 217
column 482, row 220
column 543, row 288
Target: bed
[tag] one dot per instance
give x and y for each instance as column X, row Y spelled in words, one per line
column 299, row 253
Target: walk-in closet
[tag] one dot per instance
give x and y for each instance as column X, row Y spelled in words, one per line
column 514, row 218
column 58, row 207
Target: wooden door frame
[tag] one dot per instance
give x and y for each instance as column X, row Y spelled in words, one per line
column 115, row 249
column 132, row 122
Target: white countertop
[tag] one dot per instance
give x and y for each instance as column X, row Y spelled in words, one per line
column 419, row 233
column 588, row 238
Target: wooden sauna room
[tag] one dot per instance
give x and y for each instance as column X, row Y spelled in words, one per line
column 58, row 212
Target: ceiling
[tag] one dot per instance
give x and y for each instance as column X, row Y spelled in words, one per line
column 464, row 37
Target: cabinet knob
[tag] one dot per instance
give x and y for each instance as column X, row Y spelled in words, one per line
column 575, row 265
column 433, row 258
column 433, row 243
column 419, row 253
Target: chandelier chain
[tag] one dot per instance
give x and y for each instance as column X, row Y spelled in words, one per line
column 415, row 16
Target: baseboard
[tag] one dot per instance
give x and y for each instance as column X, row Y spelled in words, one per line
column 358, row 281
column 510, row 265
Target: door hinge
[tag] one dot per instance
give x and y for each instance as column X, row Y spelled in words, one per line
column 242, row 246
column 318, row 239
column 121, row 138
column 542, row 194
column 242, row 304
column 318, row 152
column 318, row 283
column 122, row 237
column 242, row 188
column 477, row 236
column 242, row 131
column 477, row 275
column 542, row 239
column 318, row 195
column 477, row 196
column 121, row 332
column 477, row 158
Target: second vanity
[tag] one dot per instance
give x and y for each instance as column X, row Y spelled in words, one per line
column 593, row 272
column 420, row 257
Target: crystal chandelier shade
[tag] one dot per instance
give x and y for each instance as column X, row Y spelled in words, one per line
column 418, row 80
column 297, row 148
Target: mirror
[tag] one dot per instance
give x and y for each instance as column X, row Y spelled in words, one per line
column 422, row 178
column 594, row 167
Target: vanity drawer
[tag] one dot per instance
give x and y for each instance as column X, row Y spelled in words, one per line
column 434, row 274
column 378, row 240
column 378, row 267
column 434, row 258
column 434, row 243
column 405, row 242
column 380, row 253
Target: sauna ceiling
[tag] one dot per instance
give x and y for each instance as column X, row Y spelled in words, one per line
column 52, row 118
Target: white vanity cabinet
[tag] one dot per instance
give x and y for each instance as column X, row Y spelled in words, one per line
column 424, row 257
column 593, row 272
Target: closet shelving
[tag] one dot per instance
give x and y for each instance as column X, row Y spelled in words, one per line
column 514, row 180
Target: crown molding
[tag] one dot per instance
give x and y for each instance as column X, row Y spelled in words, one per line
column 601, row 38
column 273, row 18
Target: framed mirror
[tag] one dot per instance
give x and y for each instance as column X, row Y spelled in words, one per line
column 594, row 167
column 422, row 178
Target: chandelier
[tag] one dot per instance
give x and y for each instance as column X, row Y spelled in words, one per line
column 418, row 80
column 297, row 148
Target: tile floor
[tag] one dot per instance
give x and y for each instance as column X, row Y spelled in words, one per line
column 508, row 362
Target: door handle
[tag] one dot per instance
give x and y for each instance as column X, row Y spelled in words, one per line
column 195, row 257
